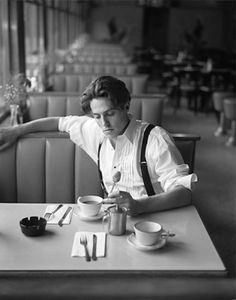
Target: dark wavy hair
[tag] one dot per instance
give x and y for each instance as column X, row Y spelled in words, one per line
column 105, row 87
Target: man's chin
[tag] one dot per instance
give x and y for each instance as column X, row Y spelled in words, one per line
column 109, row 133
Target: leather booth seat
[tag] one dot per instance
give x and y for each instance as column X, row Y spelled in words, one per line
column 144, row 107
column 136, row 84
column 49, row 167
column 46, row 167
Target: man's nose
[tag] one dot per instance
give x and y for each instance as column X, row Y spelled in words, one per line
column 104, row 121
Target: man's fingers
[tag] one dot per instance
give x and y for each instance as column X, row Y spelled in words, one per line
column 109, row 201
column 114, row 195
column 114, row 199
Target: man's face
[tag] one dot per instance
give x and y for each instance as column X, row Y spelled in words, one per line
column 111, row 120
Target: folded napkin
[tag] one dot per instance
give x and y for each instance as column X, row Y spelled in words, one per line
column 59, row 214
column 78, row 249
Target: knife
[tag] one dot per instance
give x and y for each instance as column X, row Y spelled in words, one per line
column 94, row 255
column 64, row 216
column 48, row 215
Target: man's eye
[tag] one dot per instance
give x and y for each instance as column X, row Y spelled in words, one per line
column 110, row 113
column 95, row 116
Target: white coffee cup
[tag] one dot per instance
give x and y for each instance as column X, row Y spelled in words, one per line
column 90, row 205
column 148, row 233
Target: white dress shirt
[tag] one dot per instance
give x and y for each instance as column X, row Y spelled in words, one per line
column 165, row 164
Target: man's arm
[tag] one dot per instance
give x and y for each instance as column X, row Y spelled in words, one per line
column 177, row 197
column 44, row 124
column 9, row 135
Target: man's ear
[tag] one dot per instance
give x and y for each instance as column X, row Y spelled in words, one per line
column 127, row 105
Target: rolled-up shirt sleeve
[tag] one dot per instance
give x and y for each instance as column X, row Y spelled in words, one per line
column 169, row 168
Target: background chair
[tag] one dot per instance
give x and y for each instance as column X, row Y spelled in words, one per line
column 218, row 103
column 187, row 85
column 186, row 143
column 230, row 114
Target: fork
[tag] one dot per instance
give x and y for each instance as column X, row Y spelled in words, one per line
column 48, row 215
column 84, row 242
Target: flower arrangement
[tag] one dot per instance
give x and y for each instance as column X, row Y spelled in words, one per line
column 15, row 96
column 9, row 93
column 12, row 92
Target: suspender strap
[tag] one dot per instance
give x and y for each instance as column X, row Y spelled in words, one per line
column 143, row 162
column 99, row 170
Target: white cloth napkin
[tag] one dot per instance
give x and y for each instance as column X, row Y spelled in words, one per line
column 59, row 214
column 78, row 249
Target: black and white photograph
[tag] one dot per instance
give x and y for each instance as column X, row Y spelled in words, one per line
column 118, row 149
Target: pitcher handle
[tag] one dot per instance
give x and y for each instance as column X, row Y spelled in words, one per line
column 105, row 221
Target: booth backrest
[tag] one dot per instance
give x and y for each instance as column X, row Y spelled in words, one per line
column 106, row 59
column 136, row 84
column 147, row 107
column 48, row 167
column 100, row 68
column 100, row 53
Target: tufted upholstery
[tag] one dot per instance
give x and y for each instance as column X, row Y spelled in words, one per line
column 145, row 107
column 48, row 167
column 136, row 84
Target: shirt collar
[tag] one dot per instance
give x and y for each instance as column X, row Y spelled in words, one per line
column 131, row 129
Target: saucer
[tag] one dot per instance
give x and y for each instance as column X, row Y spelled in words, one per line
column 89, row 218
column 132, row 241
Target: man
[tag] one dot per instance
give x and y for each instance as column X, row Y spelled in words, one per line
column 113, row 139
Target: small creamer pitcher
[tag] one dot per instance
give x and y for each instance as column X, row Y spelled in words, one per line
column 115, row 220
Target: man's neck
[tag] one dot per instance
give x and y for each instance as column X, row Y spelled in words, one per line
column 113, row 140
column 127, row 124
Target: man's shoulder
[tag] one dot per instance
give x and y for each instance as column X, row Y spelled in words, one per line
column 154, row 129
column 71, row 120
column 76, row 122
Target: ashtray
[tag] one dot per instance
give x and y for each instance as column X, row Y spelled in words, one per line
column 33, row 226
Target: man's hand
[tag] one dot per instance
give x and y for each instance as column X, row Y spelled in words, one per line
column 123, row 199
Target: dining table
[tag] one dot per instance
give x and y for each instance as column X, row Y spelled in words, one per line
column 42, row 267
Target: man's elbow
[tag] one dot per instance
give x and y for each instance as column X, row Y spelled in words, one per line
column 186, row 196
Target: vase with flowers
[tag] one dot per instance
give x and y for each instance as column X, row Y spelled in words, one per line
column 14, row 113
column 15, row 95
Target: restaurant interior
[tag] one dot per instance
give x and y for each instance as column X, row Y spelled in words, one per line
column 178, row 60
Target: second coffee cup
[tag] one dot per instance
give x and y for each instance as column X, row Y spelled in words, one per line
column 148, row 233
column 90, row 205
